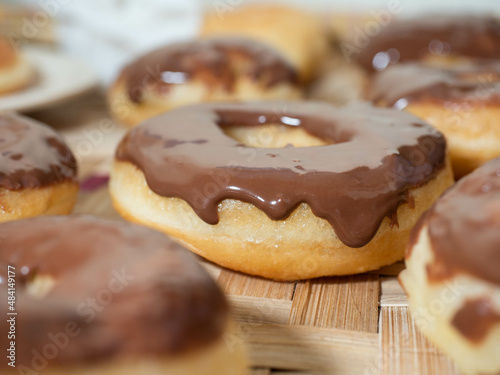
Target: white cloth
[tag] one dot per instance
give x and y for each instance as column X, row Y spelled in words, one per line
column 109, row 33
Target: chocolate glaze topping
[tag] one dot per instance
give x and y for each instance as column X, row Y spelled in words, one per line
column 378, row 155
column 411, row 82
column 216, row 61
column 464, row 227
column 475, row 319
column 124, row 290
column 32, row 155
column 403, row 40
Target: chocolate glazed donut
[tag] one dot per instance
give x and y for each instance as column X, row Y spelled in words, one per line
column 302, row 204
column 211, row 69
column 462, row 101
column 101, row 297
column 37, row 170
column 434, row 37
column 454, row 257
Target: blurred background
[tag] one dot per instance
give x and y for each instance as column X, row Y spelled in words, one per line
column 108, row 33
column 78, row 48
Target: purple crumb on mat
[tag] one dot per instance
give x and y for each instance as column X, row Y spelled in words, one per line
column 93, row 182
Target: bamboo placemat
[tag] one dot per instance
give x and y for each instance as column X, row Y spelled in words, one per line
column 337, row 325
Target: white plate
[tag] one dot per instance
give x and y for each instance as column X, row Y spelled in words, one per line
column 59, row 78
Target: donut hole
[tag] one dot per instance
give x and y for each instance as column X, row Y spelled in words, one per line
column 273, row 136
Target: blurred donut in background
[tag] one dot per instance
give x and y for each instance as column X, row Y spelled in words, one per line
column 368, row 43
column 435, row 38
column 462, row 101
column 37, row 170
column 299, row 35
column 115, row 298
column 206, row 70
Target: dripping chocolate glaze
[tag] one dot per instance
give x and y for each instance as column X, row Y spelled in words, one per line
column 475, row 319
column 463, row 227
column 403, row 83
column 32, row 155
column 212, row 60
column 378, row 155
column 163, row 302
column 414, row 39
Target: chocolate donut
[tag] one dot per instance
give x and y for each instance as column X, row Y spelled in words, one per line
column 37, row 170
column 100, row 297
column 215, row 69
column 462, row 101
column 269, row 211
column 435, row 37
column 452, row 277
